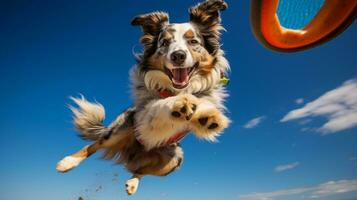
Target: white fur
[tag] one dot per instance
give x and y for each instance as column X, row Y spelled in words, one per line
column 132, row 185
column 157, row 80
column 199, row 83
column 180, row 43
column 89, row 111
column 88, row 118
column 68, row 163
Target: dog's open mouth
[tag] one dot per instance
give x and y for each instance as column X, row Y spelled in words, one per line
column 180, row 76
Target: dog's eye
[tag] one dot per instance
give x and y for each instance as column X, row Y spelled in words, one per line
column 165, row 43
column 193, row 41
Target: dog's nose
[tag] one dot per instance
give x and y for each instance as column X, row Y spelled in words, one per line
column 178, row 57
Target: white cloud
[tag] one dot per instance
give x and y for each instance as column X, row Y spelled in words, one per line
column 281, row 168
column 299, row 101
column 305, row 121
column 339, row 106
column 254, row 122
column 334, row 187
column 315, row 192
column 273, row 195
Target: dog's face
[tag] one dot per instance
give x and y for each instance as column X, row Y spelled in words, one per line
column 181, row 52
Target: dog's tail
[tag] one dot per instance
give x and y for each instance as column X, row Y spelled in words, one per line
column 88, row 119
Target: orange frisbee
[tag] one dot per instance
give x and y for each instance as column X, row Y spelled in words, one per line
column 332, row 19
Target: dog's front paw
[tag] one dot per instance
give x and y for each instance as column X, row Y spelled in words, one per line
column 184, row 107
column 209, row 123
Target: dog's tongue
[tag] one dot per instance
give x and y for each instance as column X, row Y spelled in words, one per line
column 180, row 76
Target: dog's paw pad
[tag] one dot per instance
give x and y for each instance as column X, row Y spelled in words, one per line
column 213, row 126
column 203, row 120
column 211, row 121
column 176, row 114
column 184, row 108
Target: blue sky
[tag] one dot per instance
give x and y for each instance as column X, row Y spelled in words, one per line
column 51, row 50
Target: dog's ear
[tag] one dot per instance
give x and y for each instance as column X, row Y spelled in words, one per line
column 151, row 24
column 206, row 16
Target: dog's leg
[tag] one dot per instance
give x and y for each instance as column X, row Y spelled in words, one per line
column 132, row 184
column 208, row 121
column 72, row 161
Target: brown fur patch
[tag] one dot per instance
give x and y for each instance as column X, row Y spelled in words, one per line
column 151, row 24
column 170, row 30
column 87, row 150
column 206, row 61
column 156, row 62
column 189, row 34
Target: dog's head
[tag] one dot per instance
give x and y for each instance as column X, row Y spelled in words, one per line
column 178, row 54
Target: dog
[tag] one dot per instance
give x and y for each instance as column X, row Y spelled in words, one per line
column 177, row 89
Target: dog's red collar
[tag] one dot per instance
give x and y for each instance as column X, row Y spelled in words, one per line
column 165, row 93
column 175, row 138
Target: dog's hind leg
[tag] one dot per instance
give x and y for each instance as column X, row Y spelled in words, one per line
column 72, row 161
column 157, row 162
